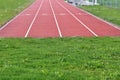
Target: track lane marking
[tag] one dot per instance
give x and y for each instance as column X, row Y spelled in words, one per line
column 77, row 19
column 60, row 34
column 37, row 12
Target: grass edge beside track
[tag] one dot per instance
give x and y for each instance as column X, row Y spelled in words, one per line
column 9, row 13
column 108, row 14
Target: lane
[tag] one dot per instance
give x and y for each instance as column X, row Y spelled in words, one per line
column 45, row 24
column 18, row 26
column 98, row 26
column 56, row 18
column 58, row 27
column 36, row 15
column 68, row 24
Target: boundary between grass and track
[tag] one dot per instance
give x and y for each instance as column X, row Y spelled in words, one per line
column 4, row 26
column 55, row 18
column 111, row 24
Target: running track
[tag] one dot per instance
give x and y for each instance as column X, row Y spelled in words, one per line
column 56, row 18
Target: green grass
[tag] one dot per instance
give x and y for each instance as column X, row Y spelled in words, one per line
column 60, row 59
column 110, row 14
column 9, row 8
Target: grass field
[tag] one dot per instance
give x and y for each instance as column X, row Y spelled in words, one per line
column 9, row 8
column 60, row 59
column 56, row 58
column 110, row 14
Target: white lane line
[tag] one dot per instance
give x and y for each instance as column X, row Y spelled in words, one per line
column 62, row 14
column 37, row 12
column 60, row 34
column 78, row 19
column 79, row 13
column 4, row 26
column 45, row 14
column 82, row 14
column 28, row 14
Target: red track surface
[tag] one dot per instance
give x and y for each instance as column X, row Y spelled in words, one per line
column 56, row 18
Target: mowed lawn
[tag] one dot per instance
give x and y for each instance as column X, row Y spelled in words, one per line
column 60, row 59
column 9, row 8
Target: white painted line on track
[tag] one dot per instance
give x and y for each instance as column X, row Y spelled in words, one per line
column 77, row 19
column 37, row 12
column 45, row 14
column 62, row 14
column 79, row 13
column 28, row 14
column 55, row 19
column 4, row 26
